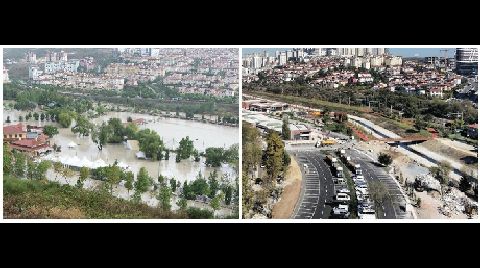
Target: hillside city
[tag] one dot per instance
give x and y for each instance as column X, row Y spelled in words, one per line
column 360, row 133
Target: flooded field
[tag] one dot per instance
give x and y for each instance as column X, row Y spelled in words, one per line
column 172, row 130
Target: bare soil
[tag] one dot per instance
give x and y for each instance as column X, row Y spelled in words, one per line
column 291, row 192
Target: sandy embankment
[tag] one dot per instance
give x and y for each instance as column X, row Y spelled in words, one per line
column 284, row 208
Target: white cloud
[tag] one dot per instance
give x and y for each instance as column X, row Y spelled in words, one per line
column 416, row 55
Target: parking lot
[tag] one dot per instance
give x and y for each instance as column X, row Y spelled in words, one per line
column 394, row 207
column 315, row 199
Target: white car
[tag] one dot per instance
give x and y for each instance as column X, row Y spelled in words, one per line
column 342, row 197
column 340, row 209
column 343, row 190
column 366, row 211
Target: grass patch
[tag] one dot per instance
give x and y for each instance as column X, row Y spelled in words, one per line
column 459, row 137
column 37, row 199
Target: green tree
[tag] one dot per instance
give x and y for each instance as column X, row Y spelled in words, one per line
column 185, row 148
column 35, row 116
column 31, row 169
column 84, row 173
column 7, row 160
column 420, row 123
column 173, row 184
column 101, row 135
column 378, row 192
column 286, row 134
column 385, row 159
column 50, row 131
column 83, row 126
column 252, row 148
column 20, row 118
column 274, row 156
column 196, row 155
column 178, row 158
column 214, row 157
column 199, row 186
column 67, row 173
column 213, row 184
column 217, row 201
column 8, row 121
column 42, row 168
column 129, row 181
column 150, row 143
column 167, row 154
column 19, row 166
column 164, row 196
column 129, row 119
column 42, row 117
column 182, row 204
column 228, row 194
column 143, row 181
column 113, row 176
column 64, row 119
column 57, row 167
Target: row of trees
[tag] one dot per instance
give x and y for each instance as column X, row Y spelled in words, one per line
column 18, row 164
column 412, row 106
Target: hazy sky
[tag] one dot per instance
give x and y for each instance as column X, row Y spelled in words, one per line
column 405, row 52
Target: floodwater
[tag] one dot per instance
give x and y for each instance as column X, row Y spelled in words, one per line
column 172, row 130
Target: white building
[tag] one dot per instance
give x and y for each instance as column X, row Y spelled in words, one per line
column 376, row 61
column 282, row 58
column 393, row 61
column 5, row 75
column 31, row 57
column 52, row 67
column 34, row 72
column 155, row 52
column 257, row 62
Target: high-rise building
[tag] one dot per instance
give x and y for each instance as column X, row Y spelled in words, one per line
column 282, row 58
column 466, row 61
column 257, row 62
column 360, row 52
column 63, row 56
column 31, row 57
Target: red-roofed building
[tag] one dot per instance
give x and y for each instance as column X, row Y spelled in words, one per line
column 20, row 139
column 14, row 132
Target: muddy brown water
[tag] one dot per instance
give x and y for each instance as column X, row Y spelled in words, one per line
column 172, row 130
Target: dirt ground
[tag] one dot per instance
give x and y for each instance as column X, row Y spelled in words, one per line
column 409, row 168
column 430, row 208
column 452, row 150
column 291, row 192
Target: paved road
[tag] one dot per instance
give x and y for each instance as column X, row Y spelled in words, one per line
column 317, row 188
column 392, row 207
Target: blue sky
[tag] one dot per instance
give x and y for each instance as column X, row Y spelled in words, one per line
column 405, row 52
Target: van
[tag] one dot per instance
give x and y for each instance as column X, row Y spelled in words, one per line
column 342, row 197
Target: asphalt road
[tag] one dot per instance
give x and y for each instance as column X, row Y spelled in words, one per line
column 391, row 208
column 317, row 187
